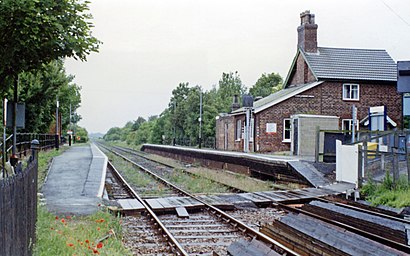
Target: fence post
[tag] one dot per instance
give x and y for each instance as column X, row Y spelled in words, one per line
column 35, row 146
column 395, row 166
column 365, row 156
column 317, row 141
column 407, row 158
column 359, row 166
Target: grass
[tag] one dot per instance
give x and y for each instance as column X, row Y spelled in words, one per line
column 196, row 184
column 236, row 180
column 142, row 182
column 387, row 193
column 137, row 178
column 71, row 235
column 66, row 235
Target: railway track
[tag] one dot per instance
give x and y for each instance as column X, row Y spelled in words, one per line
column 355, row 230
column 208, row 231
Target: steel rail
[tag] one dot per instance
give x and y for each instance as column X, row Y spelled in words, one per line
column 219, row 213
column 172, row 241
column 385, row 241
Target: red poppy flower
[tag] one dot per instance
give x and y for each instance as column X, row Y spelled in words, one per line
column 70, row 244
column 56, row 217
column 87, row 241
column 100, row 245
column 96, row 251
column 63, row 220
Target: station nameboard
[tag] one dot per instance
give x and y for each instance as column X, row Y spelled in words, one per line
column 403, row 76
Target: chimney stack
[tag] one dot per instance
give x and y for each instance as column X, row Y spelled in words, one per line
column 307, row 33
column 235, row 103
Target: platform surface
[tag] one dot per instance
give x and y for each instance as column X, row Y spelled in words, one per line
column 75, row 182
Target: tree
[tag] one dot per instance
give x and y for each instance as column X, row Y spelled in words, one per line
column 34, row 32
column 266, row 84
column 113, row 134
column 137, row 123
column 39, row 91
column 229, row 85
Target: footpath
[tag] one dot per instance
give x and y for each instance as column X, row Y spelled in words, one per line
column 75, row 182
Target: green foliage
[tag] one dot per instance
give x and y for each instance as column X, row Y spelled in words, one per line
column 39, row 90
column 266, row 84
column 113, row 134
column 181, row 118
column 81, row 134
column 387, row 193
column 36, row 32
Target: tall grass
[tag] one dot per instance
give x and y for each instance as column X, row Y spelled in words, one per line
column 387, row 193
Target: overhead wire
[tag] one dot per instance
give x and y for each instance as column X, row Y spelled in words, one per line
column 395, row 13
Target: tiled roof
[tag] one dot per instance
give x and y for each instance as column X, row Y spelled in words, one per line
column 352, row 64
column 278, row 97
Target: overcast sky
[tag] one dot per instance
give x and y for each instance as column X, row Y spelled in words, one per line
column 150, row 46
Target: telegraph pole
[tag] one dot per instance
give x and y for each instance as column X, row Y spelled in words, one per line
column 4, row 136
column 200, row 119
column 14, row 158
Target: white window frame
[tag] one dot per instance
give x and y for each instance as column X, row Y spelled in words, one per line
column 350, row 96
column 284, row 130
column 238, row 130
column 350, row 124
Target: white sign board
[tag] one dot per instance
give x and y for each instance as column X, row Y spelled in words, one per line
column 271, row 128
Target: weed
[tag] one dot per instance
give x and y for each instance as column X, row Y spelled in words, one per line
column 387, row 193
column 71, row 235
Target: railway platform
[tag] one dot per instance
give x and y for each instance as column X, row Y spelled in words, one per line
column 75, row 182
column 281, row 168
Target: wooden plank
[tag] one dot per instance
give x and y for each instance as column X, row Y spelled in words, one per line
column 182, row 212
column 218, row 202
column 154, row 204
column 164, row 202
column 174, row 201
column 130, row 204
column 255, row 198
column 250, row 248
column 273, row 196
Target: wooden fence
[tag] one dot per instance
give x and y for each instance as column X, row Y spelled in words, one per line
column 18, row 211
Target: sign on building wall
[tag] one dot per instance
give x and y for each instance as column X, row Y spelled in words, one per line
column 271, row 128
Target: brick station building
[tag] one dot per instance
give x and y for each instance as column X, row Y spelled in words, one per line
column 321, row 81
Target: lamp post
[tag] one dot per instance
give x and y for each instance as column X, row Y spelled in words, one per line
column 57, row 139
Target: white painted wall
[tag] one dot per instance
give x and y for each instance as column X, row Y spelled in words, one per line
column 346, row 162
